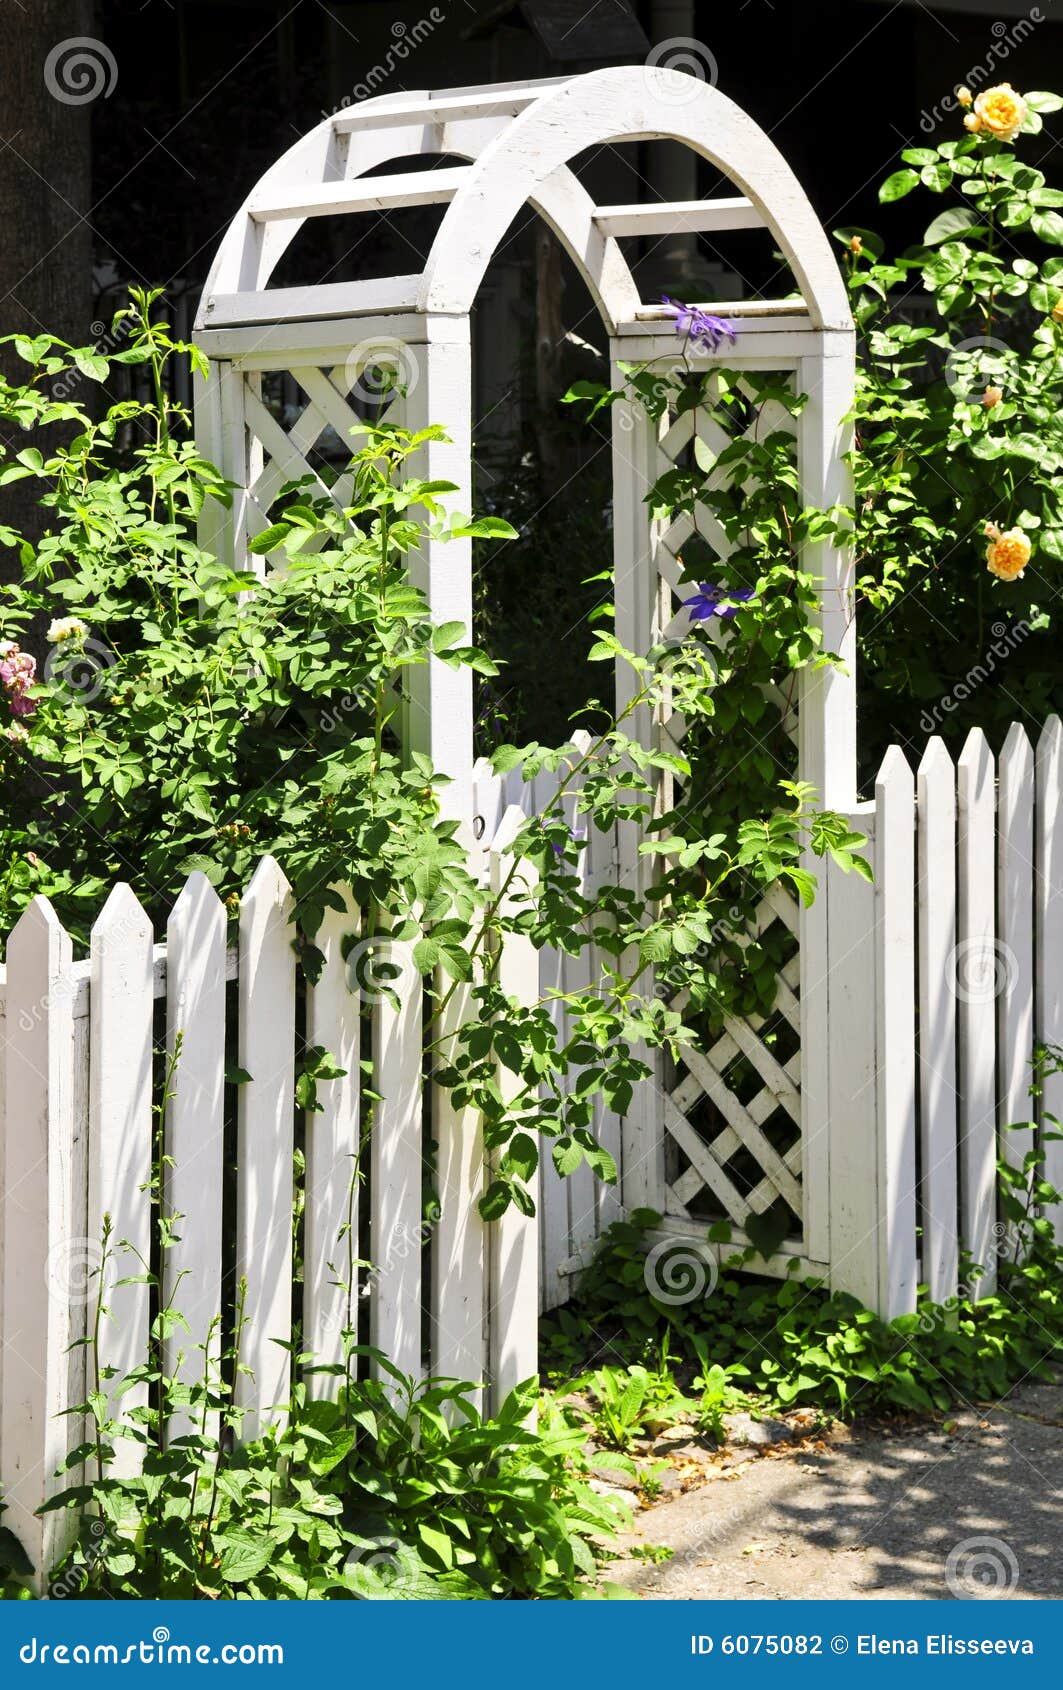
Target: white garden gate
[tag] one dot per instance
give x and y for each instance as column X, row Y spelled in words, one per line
column 518, row 142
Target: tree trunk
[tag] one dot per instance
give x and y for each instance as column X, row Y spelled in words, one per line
column 45, row 158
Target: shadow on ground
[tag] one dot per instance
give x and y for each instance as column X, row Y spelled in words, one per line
column 905, row 1513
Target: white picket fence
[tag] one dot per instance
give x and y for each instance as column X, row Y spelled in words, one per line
column 942, row 978
column 79, row 1110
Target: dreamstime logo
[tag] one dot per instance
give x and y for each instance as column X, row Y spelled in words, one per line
column 980, row 970
column 981, row 1567
column 381, row 971
column 1005, row 640
column 389, row 1564
column 80, row 70
column 1006, row 40
column 72, row 1270
column 690, row 59
column 405, row 38
column 79, row 667
column 678, row 1271
column 376, row 370
column 975, row 364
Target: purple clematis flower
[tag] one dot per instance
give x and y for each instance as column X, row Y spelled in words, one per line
column 702, row 328
column 710, row 601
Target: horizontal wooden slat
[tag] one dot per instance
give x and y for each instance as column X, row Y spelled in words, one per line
column 452, row 110
column 333, row 299
column 666, row 216
column 376, row 193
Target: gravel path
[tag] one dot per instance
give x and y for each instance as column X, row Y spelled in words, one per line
column 888, row 1512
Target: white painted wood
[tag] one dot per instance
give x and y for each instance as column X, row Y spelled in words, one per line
column 826, row 757
column 376, row 193
column 194, row 1126
column 459, row 1241
column 1014, row 957
column 439, row 713
column 396, row 1159
column 514, row 1252
column 120, row 1134
column 973, row 976
column 937, row 1022
column 265, row 1143
column 635, row 544
column 1049, row 940
column 669, row 217
column 537, row 799
column 437, row 109
column 49, row 1263
column 329, row 299
column 896, row 1079
column 330, row 1228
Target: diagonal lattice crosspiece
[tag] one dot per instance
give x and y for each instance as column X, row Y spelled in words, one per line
column 732, row 1112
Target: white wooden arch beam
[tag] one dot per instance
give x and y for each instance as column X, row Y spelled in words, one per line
column 621, row 105
column 254, row 245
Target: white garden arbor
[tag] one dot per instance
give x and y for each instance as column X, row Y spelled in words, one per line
column 518, row 141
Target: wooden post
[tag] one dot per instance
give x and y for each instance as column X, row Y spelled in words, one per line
column 439, row 706
column 826, row 755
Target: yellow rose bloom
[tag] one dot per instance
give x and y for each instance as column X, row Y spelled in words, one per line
column 856, row 245
column 964, row 95
column 1000, row 112
column 1008, row 553
column 1057, row 311
column 972, row 123
column 992, row 396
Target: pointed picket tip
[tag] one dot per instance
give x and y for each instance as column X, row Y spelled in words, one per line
column 198, row 915
column 975, row 751
column 268, row 883
column 513, row 820
column 39, row 922
column 1016, row 748
column 123, row 917
column 1051, row 738
column 895, row 771
column 935, row 759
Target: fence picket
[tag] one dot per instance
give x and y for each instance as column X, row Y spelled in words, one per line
column 577, row 977
column 459, row 1242
column 265, row 1142
column 48, row 1260
column 1015, row 882
column 330, row 1231
column 975, row 966
column 514, row 1246
column 895, row 919
column 194, row 1127
column 937, row 1020
column 120, row 1081
column 1049, row 940
column 397, row 1160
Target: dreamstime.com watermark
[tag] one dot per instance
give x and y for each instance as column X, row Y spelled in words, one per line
column 405, row 38
column 1005, row 42
column 80, row 70
column 156, row 1651
column 1006, row 639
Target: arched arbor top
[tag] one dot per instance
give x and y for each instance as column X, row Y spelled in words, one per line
column 517, row 141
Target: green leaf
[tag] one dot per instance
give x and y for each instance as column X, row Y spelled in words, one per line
column 1049, row 226
column 960, row 219
column 895, row 187
column 244, row 1555
column 1042, row 102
